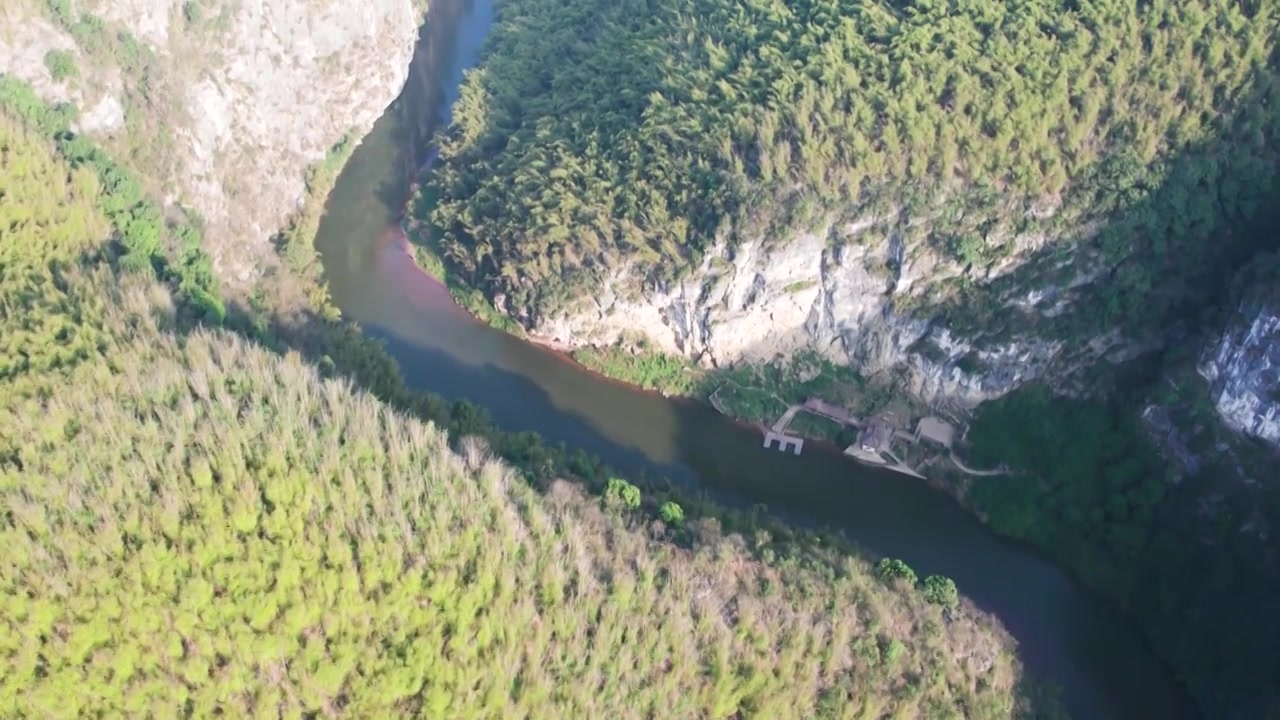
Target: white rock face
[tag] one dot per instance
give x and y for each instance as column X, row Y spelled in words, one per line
column 25, row 38
column 838, row 291
column 253, row 94
column 1243, row 371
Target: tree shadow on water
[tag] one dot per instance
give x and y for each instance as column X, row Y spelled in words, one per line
column 721, row 470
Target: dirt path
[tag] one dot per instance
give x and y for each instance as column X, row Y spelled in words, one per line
column 1002, row 470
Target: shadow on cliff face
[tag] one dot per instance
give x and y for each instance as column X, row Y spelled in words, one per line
column 1172, row 236
column 1202, row 583
column 424, row 98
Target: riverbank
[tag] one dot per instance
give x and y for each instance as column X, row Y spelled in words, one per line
column 203, row 468
column 755, row 406
column 749, row 399
column 1064, row 635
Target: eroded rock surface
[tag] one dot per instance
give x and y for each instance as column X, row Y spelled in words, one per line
column 241, row 96
column 1243, row 368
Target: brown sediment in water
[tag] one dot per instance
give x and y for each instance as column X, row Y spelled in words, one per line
column 398, row 264
column 421, row 290
column 413, row 285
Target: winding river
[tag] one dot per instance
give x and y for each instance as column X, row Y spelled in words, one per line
column 1065, row 635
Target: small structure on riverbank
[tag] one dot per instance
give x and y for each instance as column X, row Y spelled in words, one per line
column 874, row 444
column 818, row 406
column 778, row 433
column 936, row 430
column 785, row 442
column 875, row 437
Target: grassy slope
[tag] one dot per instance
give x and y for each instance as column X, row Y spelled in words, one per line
column 189, row 521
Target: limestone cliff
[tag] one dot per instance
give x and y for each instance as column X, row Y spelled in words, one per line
column 863, row 293
column 1243, row 367
column 224, row 103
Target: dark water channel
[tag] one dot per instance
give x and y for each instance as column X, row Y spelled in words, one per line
column 1064, row 634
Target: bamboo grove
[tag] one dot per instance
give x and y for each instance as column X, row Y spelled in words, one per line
column 192, row 525
column 596, row 134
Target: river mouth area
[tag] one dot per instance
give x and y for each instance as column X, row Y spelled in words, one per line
column 1066, row 636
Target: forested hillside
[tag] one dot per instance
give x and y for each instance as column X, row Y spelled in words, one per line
column 1055, row 173
column 599, row 133
column 1190, row 553
column 193, row 525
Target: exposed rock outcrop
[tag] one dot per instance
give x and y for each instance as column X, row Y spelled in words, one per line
column 239, row 97
column 1243, row 367
column 858, row 293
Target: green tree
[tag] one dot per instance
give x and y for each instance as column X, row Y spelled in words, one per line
column 891, row 569
column 671, row 513
column 941, row 590
column 61, row 64
column 622, row 494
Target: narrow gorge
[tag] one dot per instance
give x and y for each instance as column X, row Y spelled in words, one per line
column 1050, row 222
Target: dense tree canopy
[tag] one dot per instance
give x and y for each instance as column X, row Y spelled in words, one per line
column 595, row 132
column 1192, row 558
column 192, row 525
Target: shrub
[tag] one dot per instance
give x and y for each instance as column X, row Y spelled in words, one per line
column 891, row 650
column 671, row 513
column 622, row 493
column 61, row 64
column 889, row 569
column 941, row 590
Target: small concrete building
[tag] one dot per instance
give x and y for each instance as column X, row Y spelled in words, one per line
column 875, row 437
column 936, row 430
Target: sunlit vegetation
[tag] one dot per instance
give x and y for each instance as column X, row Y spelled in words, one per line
column 597, row 134
column 148, row 92
column 152, row 244
column 193, row 525
column 60, row 63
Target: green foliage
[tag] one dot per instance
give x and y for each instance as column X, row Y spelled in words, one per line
column 195, row 526
column 598, row 134
column 1183, row 556
column 174, row 251
column 893, row 569
column 20, row 99
column 967, row 249
column 1088, row 474
column 49, row 220
column 61, row 11
column 643, row 367
column 61, row 64
column 671, row 513
column 761, row 392
column 192, row 12
column 891, row 650
column 941, row 590
column 622, row 493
